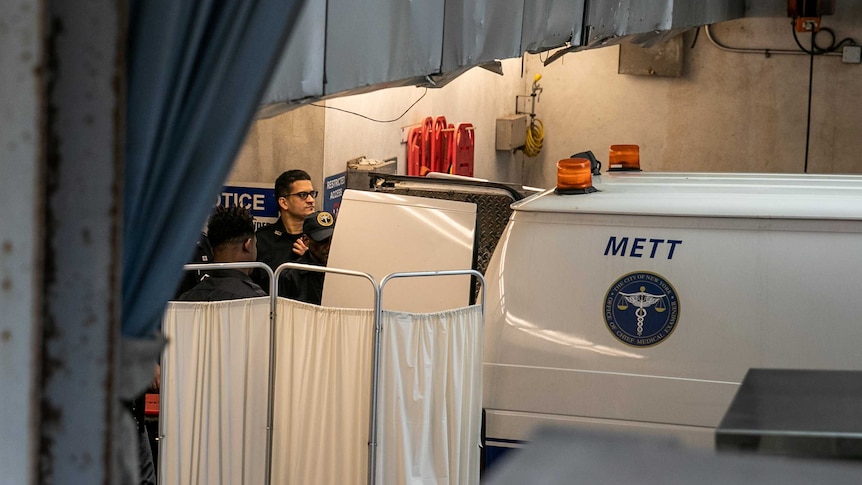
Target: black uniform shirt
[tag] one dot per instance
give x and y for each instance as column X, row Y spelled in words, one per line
column 275, row 244
column 203, row 254
column 303, row 285
column 223, row 284
column 274, row 247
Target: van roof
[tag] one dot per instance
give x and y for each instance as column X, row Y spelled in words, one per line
column 762, row 196
column 787, row 179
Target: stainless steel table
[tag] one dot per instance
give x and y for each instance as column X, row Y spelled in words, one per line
column 811, row 413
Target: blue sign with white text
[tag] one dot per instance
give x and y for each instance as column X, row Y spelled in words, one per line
column 259, row 200
column 333, row 190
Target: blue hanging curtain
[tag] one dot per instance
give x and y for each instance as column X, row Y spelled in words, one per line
column 196, row 72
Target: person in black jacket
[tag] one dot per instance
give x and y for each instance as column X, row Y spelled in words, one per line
column 281, row 241
column 203, row 254
column 307, row 286
column 230, row 231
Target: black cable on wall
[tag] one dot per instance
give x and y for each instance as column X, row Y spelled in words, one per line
column 810, row 91
column 815, row 50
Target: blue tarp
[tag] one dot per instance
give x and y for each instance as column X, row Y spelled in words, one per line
column 196, row 72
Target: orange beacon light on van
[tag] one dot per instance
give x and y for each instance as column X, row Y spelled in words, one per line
column 574, row 176
column 624, row 158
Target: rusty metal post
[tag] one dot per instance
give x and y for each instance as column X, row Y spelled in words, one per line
column 84, row 75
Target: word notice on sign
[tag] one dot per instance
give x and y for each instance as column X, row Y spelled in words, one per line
column 259, row 199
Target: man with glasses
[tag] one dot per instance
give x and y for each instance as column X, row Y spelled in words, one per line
column 281, row 241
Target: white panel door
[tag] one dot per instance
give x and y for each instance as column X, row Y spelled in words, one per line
column 380, row 233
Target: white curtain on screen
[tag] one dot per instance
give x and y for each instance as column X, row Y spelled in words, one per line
column 214, row 392
column 430, row 401
column 322, row 394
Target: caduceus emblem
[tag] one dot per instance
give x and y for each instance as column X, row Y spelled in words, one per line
column 642, row 300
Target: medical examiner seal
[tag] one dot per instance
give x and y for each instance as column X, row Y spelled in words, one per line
column 641, row 309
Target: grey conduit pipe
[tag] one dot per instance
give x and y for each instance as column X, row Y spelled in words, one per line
column 752, row 50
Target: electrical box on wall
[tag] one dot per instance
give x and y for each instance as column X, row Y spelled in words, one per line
column 852, row 54
column 665, row 59
column 511, row 132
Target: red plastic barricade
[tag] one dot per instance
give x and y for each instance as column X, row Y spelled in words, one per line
column 465, row 144
column 436, row 146
column 427, row 143
column 414, row 151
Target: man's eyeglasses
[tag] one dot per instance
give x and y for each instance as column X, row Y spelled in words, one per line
column 304, row 195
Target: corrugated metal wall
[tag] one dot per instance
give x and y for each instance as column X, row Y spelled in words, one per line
column 549, row 24
column 613, row 20
column 350, row 46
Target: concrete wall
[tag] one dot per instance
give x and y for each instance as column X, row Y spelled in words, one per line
column 290, row 140
column 727, row 112
column 321, row 141
column 478, row 97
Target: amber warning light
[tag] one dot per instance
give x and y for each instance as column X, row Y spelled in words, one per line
column 574, row 176
column 624, row 158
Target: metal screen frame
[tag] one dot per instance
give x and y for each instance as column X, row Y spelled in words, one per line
column 372, row 470
column 372, row 427
column 268, row 270
column 378, row 318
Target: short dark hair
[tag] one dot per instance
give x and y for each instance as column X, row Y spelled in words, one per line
column 282, row 183
column 229, row 225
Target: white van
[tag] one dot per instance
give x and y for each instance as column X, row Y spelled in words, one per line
column 641, row 306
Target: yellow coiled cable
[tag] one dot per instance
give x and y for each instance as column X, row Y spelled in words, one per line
column 535, row 136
